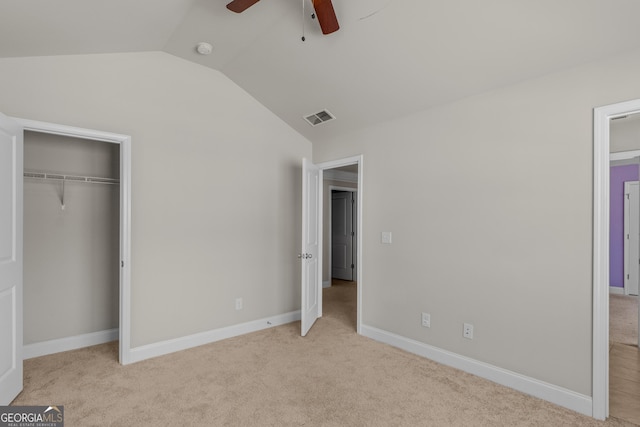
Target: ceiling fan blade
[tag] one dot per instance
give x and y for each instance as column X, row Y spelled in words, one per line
column 238, row 6
column 326, row 16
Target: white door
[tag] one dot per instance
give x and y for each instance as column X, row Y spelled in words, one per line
column 342, row 235
column 632, row 237
column 311, row 231
column 11, row 152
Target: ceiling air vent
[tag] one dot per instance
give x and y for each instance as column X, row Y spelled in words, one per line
column 319, row 118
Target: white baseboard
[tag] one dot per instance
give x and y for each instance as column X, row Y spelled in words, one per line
column 549, row 392
column 326, row 284
column 616, row 290
column 144, row 352
column 44, row 348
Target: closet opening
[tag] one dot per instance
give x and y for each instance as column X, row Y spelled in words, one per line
column 71, row 239
column 76, row 278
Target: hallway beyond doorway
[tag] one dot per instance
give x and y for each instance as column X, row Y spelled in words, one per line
column 340, row 301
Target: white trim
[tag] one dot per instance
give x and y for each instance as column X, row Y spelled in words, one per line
column 549, row 392
column 601, row 165
column 357, row 160
column 624, row 162
column 320, row 220
column 178, row 344
column 125, row 214
column 624, row 155
column 44, row 348
column 330, row 210
column 616, row 290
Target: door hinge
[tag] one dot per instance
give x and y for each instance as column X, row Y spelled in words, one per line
column 627, row 277
column 121, row 263
column 352, row 266
column 353, row 233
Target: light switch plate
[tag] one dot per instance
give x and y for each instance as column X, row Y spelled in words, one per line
column 426, row 320
column 385, row 237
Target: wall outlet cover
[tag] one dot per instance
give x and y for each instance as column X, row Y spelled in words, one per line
column 467, row 331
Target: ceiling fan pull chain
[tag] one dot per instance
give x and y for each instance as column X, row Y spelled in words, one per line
column 303, row 39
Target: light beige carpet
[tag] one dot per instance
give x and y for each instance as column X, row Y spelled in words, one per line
column 332, row 377
column 623, row 319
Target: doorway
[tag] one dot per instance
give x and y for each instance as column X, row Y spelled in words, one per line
column 624, row 218
column 601, row 222
column 313, row 219
column 124, row 196
column 343, row 176
column 71, row 243
column 340, row 290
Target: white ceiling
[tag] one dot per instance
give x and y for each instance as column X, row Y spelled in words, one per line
column 389, row 59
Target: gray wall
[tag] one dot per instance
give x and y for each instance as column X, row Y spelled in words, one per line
column 490, row 203
column 215, row 183
column 489, row 200
column 71, row 256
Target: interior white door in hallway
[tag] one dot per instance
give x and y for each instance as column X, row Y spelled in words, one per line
column 11, row 152
column 632, row 237
column 342, row 235
column 311, row 235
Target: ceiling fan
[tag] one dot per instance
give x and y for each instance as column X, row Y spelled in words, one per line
column 324, row 11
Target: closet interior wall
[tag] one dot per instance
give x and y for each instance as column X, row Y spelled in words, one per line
column 71, row 251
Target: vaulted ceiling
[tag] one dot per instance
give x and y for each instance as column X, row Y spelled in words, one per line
column 389, row 59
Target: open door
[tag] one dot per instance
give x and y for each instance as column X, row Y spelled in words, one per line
column 632, row 237
column 311, row 235
column 11, row 152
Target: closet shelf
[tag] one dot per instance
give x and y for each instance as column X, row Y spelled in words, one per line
column 75, row 178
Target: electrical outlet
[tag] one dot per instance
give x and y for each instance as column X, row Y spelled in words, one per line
column 426, row 320
column 238, row 303
column 467, row 331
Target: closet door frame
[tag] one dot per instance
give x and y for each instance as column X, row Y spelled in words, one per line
column 124, row 327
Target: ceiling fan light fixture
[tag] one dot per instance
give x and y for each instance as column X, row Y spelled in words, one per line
column 204, row 48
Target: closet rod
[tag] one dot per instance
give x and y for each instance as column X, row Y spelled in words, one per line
column 75, row 178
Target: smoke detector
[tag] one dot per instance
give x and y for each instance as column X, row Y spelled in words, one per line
column 204, row 48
